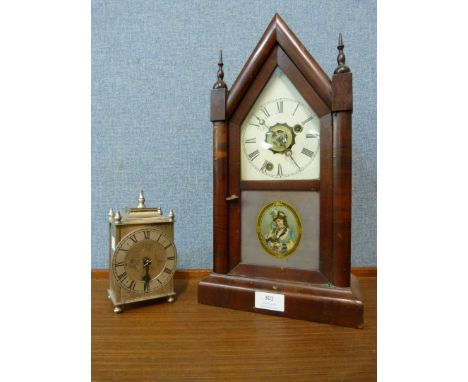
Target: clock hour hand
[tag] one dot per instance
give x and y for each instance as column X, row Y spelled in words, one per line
column 288, row 153
column 146, row 278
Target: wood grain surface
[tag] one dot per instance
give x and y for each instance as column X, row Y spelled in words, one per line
column 200, row 273
column 187, row 341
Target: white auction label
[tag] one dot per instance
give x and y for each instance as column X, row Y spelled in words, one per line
column 270, row 301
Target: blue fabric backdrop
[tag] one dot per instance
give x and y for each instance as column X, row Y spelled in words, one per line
column 153, row 65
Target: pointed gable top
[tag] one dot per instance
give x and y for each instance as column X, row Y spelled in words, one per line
column 278, row 33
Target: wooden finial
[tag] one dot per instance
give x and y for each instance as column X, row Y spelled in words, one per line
column 220, row 83
column 342, row 68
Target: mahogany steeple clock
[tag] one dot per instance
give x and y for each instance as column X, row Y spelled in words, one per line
column 282, row 186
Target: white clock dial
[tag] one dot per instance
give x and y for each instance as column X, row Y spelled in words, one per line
column 280, row 138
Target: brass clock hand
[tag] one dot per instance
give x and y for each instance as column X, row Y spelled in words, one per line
column 146, row 278
column 146, row 262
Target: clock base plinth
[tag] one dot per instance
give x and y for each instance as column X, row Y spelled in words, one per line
column 311, row 302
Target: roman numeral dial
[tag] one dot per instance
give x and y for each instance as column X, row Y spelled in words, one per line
column 144, row 261
column 280, row 139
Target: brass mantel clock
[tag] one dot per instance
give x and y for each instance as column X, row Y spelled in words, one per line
column 282, row 186
column 142, row 255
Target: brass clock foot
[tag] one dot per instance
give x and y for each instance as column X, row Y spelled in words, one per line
column 118, row 309
column 170, row 299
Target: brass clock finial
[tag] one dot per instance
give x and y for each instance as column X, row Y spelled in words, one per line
column 342, row 68
column 220, row 83
column 117, row 217
column 171, row 215
column 110, row 215
column 141, row 200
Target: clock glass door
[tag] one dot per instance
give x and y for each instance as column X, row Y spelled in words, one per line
column 280, row 145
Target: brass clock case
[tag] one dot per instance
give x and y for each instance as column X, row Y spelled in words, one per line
column 142, row 255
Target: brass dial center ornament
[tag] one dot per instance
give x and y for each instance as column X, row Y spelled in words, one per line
column 280, row 138
column 279, row 229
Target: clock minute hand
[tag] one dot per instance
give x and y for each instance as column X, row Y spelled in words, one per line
column 289, row 155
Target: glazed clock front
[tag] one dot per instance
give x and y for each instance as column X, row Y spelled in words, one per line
column 280, row 137
column 280, row 143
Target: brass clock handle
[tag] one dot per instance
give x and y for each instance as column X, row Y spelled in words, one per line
column 232, row 197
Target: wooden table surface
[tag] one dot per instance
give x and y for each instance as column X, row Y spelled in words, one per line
column 187, row 341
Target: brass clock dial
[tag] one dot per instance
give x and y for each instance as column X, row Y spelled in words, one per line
column 144, row 260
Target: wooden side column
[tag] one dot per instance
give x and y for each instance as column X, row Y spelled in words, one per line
column 342, row 107
column 220, row 172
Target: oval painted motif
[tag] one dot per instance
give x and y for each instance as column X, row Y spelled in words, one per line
column 279, row 229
